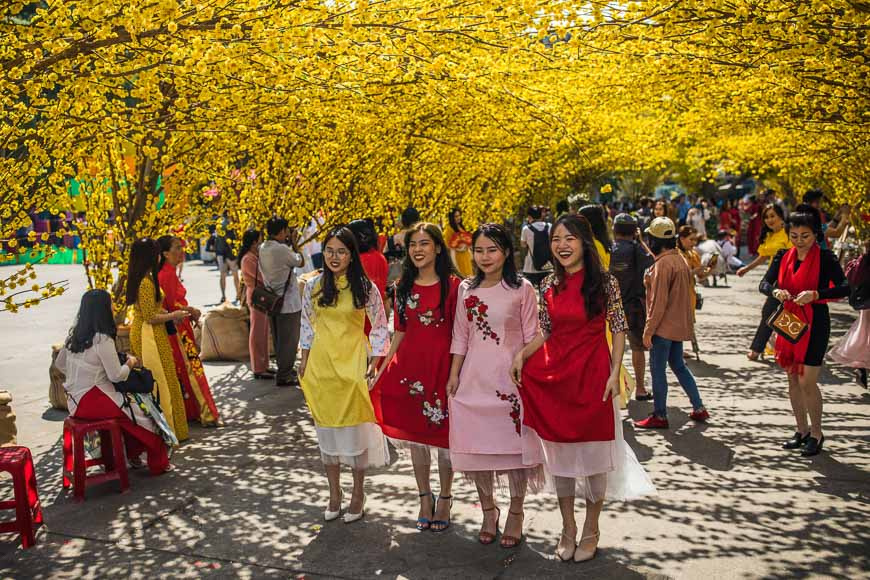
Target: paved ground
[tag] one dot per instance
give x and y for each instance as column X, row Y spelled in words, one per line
column 246, row 501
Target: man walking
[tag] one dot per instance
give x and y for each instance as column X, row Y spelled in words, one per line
column 628, row 262
column 277, row 263
column 669, row 321
column 227, row 263
column 535, row 238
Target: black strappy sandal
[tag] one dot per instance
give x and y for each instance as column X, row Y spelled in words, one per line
column 442, row 524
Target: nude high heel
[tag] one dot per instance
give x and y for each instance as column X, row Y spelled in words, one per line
column 582, row 555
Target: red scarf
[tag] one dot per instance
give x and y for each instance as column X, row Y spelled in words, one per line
column 791, row 356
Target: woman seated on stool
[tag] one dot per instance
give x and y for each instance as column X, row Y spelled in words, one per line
column 91, row 365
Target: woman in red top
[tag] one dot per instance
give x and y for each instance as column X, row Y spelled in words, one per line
column 198, row 401
column 409, row 396
column 374, row 263
column 569, row 386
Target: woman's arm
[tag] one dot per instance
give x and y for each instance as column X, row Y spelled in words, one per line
column 611, row 389
column 109, row 359
column 523, row 355
column 768, row 283
column 455, row 367
column 751, row 265
column 398, row 336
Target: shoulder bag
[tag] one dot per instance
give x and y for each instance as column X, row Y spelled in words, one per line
column 264, row 299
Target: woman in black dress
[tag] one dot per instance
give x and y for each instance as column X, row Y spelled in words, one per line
column 803, row 279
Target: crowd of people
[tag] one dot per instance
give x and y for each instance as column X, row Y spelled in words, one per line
column 510, row 375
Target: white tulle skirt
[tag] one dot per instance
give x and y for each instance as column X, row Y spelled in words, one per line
column 360, row 446
column 595, row 470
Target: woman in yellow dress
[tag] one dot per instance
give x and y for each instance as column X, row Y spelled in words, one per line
column 773, row 239
column 333, row 371
column 459, row 241
column 148, row 334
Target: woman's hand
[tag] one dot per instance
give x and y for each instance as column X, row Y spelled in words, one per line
column 302, row 364
column 452, row 385
column 372, row 373
column 517, row 369
column 806, row 297
column 194, row 312
column 179, row 315
column 611, row 389
column 782, row 295
column 742, row 272
column 132, row 361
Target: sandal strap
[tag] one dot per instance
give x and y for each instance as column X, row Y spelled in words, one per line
column 495, row 507
column 595, row 536
column 516, row 513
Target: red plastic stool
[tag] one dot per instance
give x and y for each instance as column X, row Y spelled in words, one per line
column 28, row 511
column 75, row 465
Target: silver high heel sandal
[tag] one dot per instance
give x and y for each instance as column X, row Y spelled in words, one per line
column 333, row 515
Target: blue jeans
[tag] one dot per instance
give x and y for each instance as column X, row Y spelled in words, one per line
column 666, row 353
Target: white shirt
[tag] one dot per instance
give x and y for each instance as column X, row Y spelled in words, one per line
column 528, row 237
column 277, row 262
column 97, row 366
column 313, row 246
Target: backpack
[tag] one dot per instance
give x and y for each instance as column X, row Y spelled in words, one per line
column 541, row 255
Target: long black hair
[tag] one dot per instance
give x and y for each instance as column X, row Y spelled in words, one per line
column 455, row 225
column 144, row 257
column 95, row 316
column 594, row 215
column 366, row 235
column 356, row 276
column 765, row 231
column 807, row 216
column 593, row 290
column 249, row 238
column 443, row 267
column 500, row 236
column 165, row 244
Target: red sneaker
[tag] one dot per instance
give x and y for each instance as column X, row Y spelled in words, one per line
column 652, row 422
column 700, row 415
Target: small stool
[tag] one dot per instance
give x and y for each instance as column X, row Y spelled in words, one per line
column 75, row 465
column 28, row 511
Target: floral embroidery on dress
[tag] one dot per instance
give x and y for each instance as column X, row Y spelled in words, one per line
column 413, row 301
column 426, row 318
column 476, row 309
column 514, row 400
column 435, row 413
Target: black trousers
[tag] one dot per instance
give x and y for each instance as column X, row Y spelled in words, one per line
column 762, row 334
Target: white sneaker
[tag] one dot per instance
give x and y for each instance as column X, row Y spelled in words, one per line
column 330, row 515
column 350, row 518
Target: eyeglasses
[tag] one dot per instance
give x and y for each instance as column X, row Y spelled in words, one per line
column 339, row 253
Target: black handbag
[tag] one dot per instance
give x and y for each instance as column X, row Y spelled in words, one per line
column 264, row 299
column 787, row 325
column 140, row 380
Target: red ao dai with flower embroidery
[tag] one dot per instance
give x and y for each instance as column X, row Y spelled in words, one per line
column 410, row 399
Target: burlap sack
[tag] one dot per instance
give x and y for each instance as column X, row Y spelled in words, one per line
column 8, row 430
column 56, row 394
column 225, row 334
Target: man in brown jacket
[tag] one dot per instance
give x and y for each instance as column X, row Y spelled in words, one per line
column 669, row 321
